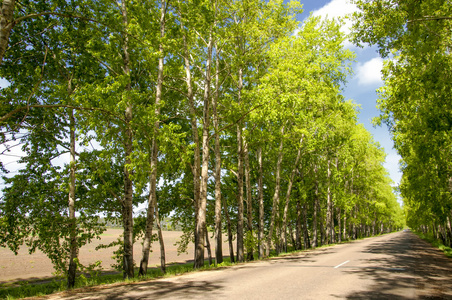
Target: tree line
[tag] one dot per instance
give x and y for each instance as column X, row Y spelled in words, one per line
column 226, row 115
column 415, row 102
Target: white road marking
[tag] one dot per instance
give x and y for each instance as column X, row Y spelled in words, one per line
column 341, row 264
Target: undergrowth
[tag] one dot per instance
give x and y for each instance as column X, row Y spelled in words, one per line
column 436, row 243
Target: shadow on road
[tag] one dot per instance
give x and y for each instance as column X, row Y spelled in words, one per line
column 405, row 267
column 307, row 256
column 154, row 290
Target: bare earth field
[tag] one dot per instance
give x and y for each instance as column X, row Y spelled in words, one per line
column 25, row 266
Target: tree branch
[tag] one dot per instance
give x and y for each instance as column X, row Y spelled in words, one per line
column 110, row 191
column 34, row 88
column 429, row 18
column 233, row 172
column 27, row 107
column 240, row 119
column 46, row 13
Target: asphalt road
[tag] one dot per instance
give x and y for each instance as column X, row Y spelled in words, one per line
column 393, row 266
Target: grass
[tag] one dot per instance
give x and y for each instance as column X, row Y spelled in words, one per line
column 436, row 243
column 25, row 289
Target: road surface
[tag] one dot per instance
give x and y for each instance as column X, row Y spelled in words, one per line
column 393, row 266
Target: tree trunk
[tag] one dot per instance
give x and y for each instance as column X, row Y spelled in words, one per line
column 228, row 222
column 152, row 202
column 196, row 168
column 201, row 216
column 162, row 244
column 218, row 233
column 298, row 228
column 128, row 271
column 6, row 25
column 288, row 193
column 344, row 234
column 339, row 233
column 292, row 237
column 306, row 240
column 316, row 208
column 278, row 234
column 322, row 228
column 209, row 249
column 333, row 232
column 442, row 232
column 374, row 224
column 240, row 248
column 72, row 220
column 147, row 241
column 127, row 210
column 261, row 204
column 449, row 230
column 276, row 194
column 328, row 205
column 249, row 204
column 333, row 207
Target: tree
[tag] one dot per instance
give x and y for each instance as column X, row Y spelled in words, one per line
column 413, row 101
column 61, row 72
column 152, row 203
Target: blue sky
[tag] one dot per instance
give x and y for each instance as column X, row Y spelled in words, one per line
column 361, row 87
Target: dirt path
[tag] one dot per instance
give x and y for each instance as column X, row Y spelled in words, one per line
column 37, row 266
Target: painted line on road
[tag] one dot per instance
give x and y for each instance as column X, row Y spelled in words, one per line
column 341, row 264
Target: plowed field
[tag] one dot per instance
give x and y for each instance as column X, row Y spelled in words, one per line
column 25, row 266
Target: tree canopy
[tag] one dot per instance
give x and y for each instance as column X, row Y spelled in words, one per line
column 414, row 102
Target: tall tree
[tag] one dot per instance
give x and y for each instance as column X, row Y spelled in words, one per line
column 154, row 147
column 413, row 101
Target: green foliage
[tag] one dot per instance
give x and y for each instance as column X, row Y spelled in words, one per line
column 414, row 102
column 436, row 243
column 251, row 241
column 89, row 275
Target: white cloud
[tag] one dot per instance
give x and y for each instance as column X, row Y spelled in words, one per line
column 369, row 73
column 338, row 8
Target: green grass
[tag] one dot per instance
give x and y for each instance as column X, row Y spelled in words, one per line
column 436, row 243
column 447, row 250
column 23, row 289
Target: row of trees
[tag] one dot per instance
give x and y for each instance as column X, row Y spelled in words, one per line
column 215, row 112
column 415, row 102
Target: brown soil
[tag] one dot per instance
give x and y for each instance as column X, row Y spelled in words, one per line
column 37, row 266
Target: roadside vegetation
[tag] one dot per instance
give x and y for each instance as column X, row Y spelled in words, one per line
column 437, row 243
column 23, row 289
column 414, row 37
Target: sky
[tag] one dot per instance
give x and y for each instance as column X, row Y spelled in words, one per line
column 362, row 86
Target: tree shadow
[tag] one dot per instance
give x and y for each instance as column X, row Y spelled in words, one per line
column 405, row 267
column 308, row 256
column 153, row 290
